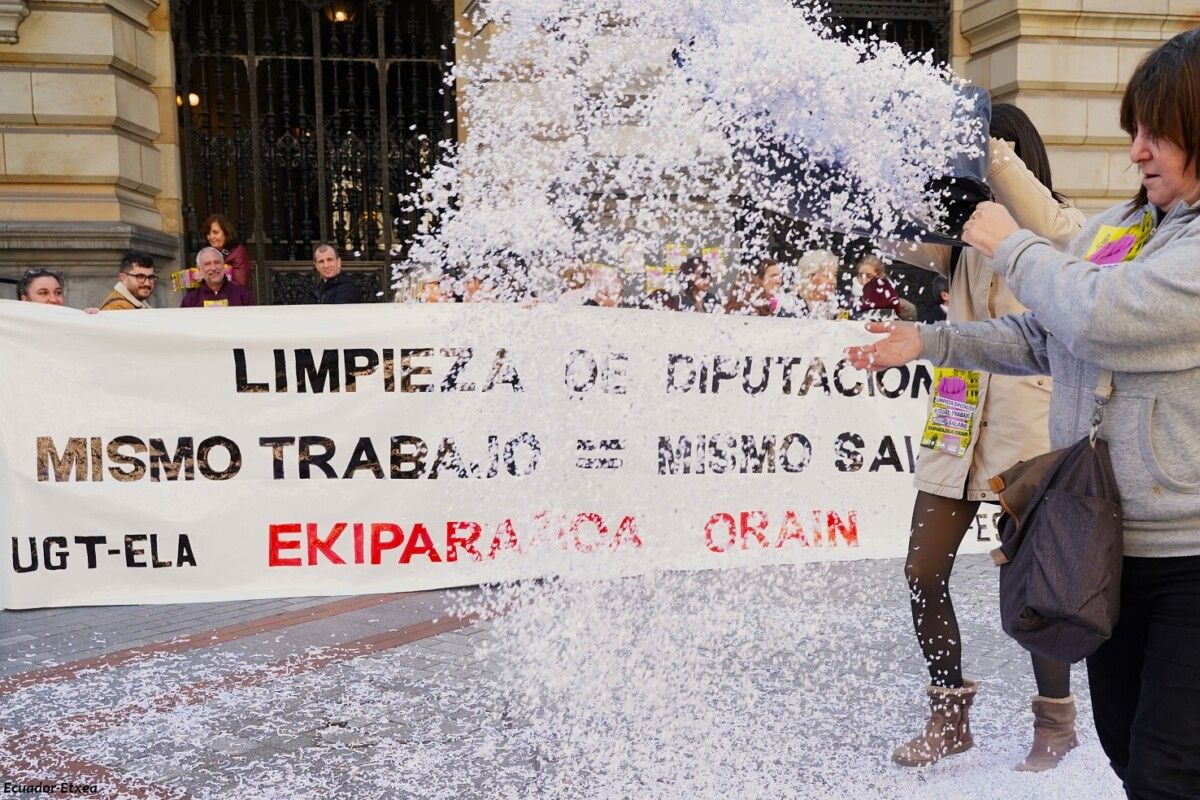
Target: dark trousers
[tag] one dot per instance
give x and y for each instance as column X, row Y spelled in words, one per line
column 1145, row 681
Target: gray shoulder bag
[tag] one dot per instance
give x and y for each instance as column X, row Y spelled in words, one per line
column 1062, row 545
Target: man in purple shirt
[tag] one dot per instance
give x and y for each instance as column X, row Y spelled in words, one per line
column 215, row 289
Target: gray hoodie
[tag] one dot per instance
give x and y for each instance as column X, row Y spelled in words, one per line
column 1140, row 319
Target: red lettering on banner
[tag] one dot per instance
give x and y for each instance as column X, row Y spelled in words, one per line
column 723, row 530
column 506, row 537
column 848, row 529
column 379, row 544
column 627, row 528
column 589, row 532
column 275, row 545
column 318, row 545
column 757, row 529
column 454, row 540
column 792, row 529
column 569, row 534
column 594, row 519
column 818, row 528
column 720, row 519
column 418, row 548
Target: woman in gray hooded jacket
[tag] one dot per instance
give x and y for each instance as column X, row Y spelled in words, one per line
column 1125, row 298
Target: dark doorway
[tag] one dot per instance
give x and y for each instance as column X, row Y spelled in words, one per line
column 304, row 121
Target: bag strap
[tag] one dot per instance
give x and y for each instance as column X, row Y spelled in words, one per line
column 1104, row 390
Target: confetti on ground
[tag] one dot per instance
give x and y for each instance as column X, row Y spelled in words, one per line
column 772, row 683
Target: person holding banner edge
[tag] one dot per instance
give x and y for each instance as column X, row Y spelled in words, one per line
column 1006, row 421
column 40, row 285
column 1121, row 298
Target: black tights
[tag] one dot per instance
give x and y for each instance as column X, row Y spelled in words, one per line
column 938, row 527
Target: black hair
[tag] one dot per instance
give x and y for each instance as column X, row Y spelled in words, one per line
column 226, row 227
column 691, row 269
column 136, row 258
column 1013, row 125
column 32, row 275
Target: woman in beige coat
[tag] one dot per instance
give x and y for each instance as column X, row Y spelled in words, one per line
column 1004, row 420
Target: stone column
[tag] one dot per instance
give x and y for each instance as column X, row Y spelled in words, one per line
column 12, row 14
column 1066, row 63
column 88, row 143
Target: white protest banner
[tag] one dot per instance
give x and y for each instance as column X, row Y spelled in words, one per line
column 199, row 455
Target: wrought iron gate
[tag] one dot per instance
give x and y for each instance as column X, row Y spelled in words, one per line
column 304, row 120
column 918, row 26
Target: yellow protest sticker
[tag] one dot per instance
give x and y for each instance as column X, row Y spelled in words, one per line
column 952, row 411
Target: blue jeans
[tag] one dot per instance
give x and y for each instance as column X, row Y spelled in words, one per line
column 1145, row 681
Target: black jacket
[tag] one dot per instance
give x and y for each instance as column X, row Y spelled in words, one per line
column 338, row 289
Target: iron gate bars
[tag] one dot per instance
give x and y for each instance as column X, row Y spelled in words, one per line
column 918, row 26
column 304, row 121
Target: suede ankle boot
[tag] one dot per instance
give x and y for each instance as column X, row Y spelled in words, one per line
column 948, row 730
column 1053, row 733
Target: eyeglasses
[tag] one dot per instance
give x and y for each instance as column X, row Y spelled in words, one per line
column 142, row 278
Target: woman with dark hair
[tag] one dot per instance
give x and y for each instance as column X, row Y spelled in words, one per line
column 1119, row 303
column 754, row 293
column 41, row 285
column 220, row 233
column 1000, row 420
column 695, row 287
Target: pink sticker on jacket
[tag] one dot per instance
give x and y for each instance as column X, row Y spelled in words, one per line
column 1114, row 252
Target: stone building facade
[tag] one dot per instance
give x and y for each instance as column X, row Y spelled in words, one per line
column 88, row 148
column 1066, row 62
column 93, row 153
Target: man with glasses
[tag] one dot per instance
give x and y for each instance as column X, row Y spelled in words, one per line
column 135, row 284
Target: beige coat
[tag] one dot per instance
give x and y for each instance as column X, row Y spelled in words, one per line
column 1011, row 420
column 120, row 299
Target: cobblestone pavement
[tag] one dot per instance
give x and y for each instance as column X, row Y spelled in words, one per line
column 395, row 696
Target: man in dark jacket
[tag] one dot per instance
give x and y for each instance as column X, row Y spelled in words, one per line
column 334, row 286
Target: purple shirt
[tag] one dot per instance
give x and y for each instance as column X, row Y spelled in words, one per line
column 230, row 294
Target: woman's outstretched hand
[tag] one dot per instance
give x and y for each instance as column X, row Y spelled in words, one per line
column 902, row 345
column 990, row 225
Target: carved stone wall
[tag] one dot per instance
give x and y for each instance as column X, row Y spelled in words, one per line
column 12, row 14
column 1066, row 63
column 88, row 153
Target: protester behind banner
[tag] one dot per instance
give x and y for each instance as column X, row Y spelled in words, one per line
column 696, row 288
column 754, row 291
column 604, row 287
column 333, row 287
column 877, row 297
column 816, row 286
column 221, row 234
column 136, row 282
column 216, row 290
column 574, row 282
column 41, row 285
